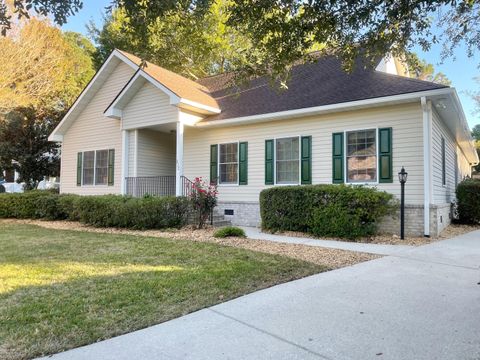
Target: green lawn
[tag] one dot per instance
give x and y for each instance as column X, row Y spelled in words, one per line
column 62, row 289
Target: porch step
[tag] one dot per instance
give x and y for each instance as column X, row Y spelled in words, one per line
column 220, row 223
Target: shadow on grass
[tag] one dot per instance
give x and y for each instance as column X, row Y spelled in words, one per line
column 66, row 289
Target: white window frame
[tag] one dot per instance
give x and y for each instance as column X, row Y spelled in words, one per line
column 275, row 160
column 95, row 167
column 345, row 147
column 238, row 164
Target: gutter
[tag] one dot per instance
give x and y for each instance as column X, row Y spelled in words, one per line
column 289, row 114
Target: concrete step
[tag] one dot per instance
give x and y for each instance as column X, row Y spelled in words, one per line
column 220, row 223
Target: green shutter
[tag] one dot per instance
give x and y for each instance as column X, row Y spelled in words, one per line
column 385, row 172
column 243, row 163
column 306, row 160
column 111, row 166
column 337, row 158
column 213, row 164
column 269, row 162
column 79, row 168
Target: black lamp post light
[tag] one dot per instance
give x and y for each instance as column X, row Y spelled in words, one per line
column 402, row 177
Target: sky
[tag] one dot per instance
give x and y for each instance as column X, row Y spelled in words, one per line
column 461, row 70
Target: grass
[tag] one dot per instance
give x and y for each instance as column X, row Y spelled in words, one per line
column 63, row 289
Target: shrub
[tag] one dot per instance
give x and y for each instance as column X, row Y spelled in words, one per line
column 22, row 205
column 468, row 200
column 204, row 200
column 67, row 206
column 134, row 213
column 228, row 231
column 2, row 189
column 100, row 211
column 325, row 210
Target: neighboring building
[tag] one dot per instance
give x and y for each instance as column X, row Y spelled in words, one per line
column 147, row 130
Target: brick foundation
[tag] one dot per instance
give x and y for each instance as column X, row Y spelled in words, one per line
column 248, row 214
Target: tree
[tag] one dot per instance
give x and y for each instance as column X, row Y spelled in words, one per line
column 422, row 70
column 42, row 67
column 180, row 40
column 282, row 31
column 60, row 10
column 24, row 144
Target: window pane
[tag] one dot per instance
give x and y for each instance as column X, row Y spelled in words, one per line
column 101, row 167
column 228, row 173
column 361, row 156
column 88, row 167
column 288, row 160
column 287, row 149
column 228, row 163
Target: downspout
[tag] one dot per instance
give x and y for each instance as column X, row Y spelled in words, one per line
column 427, row 173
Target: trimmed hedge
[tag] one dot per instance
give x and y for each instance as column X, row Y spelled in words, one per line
column 468, row 201
column 100, row 211
column 132, row 213
column 325, row 210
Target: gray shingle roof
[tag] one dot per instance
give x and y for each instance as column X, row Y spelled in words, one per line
column 312, row 84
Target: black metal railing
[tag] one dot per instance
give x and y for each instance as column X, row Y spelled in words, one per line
column 187, row 186
column 140, row 186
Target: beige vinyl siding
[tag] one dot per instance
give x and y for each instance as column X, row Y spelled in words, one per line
column 454, row 157
column 156, row 153
column 93, row 131
column 149, row 106
column 406, row 121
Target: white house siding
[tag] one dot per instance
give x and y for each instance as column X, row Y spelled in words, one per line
column 156, row 153
column 406, row 121
column 455, row 162
column 150, row 106
column 93, row 131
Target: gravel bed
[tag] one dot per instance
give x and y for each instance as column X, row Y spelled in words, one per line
column 331, row 258
column 451, row 231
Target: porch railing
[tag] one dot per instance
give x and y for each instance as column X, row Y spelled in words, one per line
column 140, row 186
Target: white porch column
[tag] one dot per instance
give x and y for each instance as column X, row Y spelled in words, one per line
column 427, row 164
column 179, row 160
column 124, row 170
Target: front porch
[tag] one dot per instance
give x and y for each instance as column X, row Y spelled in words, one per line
column 152, row 161
column 140, row 186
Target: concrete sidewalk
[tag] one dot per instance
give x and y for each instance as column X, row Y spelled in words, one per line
column 422, row 303
column 380, row 249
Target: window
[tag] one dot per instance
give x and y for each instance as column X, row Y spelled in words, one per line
column 444, row 175
column 95, row 167
column 88, row 167
column 287, row 163
column 101, row 167
column 228, row 163
column 361, row 156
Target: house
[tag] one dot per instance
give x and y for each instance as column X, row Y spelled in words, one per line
column 137, row 130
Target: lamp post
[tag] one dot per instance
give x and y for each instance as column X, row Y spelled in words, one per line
column 402, row 177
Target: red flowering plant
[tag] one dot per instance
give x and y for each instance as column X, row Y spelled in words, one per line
column 204, row 200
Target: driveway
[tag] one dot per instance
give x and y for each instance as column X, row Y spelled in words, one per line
column 421, row 303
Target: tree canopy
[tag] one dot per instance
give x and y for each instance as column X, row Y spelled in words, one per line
column 420, row 69
column 24, row 144
column 42, row 67
column 280, row 32
column 179, row 40
column 43, row 71
column 283, row 31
